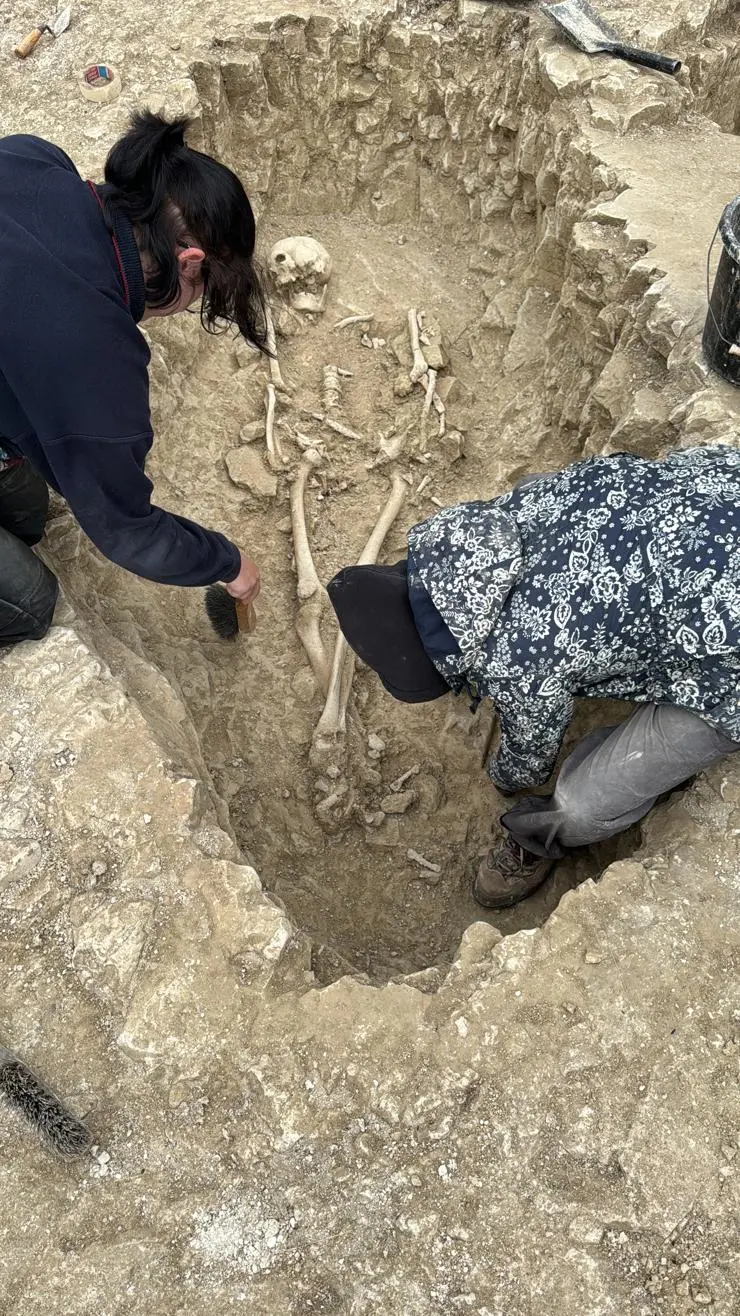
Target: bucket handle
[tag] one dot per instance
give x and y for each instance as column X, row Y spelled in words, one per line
column 727, row 341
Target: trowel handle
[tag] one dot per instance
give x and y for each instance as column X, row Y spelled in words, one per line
column 246, row 617
column 29, row 43
column 648, row 58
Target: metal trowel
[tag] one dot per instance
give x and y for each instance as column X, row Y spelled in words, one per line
column 590, row 33
column 55, row 26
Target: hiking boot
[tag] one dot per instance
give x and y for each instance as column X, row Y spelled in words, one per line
column 508, row 874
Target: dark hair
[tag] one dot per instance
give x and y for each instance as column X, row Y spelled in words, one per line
column 154, row 178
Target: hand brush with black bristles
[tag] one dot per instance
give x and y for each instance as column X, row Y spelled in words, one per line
column 227, row 615
column 59, row 1128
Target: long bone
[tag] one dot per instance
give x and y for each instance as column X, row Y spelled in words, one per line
column 275, row 459
column 333, row 720
column 421, row 373
column 276, row 376
column 311, row 592
column 419, row 364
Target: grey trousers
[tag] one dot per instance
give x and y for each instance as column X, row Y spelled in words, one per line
column 613, row 778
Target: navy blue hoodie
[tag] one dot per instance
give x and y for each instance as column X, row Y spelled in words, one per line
column 74, row 388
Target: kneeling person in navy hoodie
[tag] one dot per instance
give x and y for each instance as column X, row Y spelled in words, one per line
column 80, row 267
column 615, row 578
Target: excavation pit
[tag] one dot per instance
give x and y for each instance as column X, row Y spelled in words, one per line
column 438, row 185
column 550, row 1124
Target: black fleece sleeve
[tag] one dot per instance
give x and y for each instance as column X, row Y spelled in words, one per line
column 109, row 493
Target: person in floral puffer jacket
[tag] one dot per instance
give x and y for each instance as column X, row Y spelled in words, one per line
column 617, row 577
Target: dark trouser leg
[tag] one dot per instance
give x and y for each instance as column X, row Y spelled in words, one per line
column 613, row 778
column 24, row 502
column 28, row 590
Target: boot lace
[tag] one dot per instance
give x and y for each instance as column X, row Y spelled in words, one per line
column 511, row 859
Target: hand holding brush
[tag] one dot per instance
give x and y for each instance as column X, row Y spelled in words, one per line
column 230, row 607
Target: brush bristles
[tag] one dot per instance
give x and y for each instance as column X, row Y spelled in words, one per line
column 221, row 610
column 28, row 1095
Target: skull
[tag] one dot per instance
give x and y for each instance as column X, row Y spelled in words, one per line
column 300, row 270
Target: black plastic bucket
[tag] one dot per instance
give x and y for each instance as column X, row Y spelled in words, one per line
column 722, row 328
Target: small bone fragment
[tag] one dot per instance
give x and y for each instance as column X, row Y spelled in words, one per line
column 440, row 409
column 274, row 365
column 332, row 722
column 331, row 395
column 307, row 444
column 275, row 459
column 400, row 782
column 326, row 805
column 734, row 349
column 391, row 447
column 335, row 425
column 353, row 319
column 419, row 366
column 422, row 862
column 424, row 484
column 311, row 592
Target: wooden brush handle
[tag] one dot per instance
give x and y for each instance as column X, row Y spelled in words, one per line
column 29, row 43
column 246, row 617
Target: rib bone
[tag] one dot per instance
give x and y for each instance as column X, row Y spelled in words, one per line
column 353, row 319
column 335, row 425
column 311, row 592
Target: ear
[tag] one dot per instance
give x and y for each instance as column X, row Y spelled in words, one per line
column 190, row 261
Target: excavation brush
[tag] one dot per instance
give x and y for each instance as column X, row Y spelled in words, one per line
column 54, row 26
column 31, row 1098
column 589, row 33
column 227, row 616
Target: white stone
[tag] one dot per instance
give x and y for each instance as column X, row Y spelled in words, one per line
column 247, row 470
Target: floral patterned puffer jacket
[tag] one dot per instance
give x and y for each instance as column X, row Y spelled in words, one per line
column 615, row 578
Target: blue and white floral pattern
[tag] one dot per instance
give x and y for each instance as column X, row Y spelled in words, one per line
column 615, row 578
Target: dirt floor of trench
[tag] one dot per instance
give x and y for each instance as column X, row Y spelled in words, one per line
column 355, row 890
